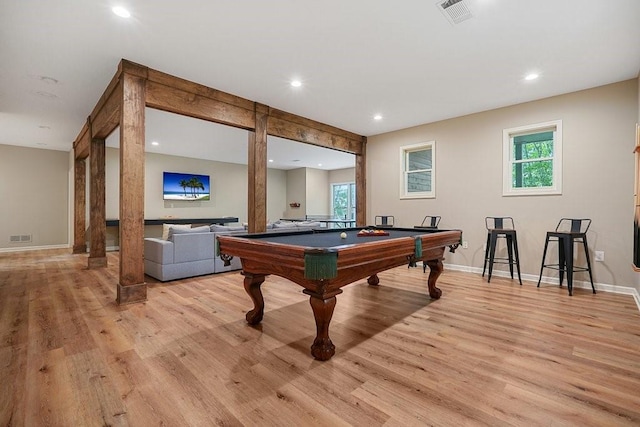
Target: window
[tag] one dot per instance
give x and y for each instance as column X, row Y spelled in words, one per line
column 532, row 159
column 343, row 200
column 417, row 166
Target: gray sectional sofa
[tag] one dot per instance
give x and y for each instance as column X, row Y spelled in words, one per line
column 188, row 252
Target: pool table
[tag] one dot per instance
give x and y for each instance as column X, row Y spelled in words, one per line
column 323, row 261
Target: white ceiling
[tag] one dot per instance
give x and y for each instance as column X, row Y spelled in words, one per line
column 355, row 58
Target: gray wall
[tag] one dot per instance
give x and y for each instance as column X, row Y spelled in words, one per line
column 598, row 140
column 34, row 196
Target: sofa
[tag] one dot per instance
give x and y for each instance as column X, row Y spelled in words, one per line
column 186, row 252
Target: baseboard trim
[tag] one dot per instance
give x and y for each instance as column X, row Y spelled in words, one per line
column 624, row 290
column 34, row 248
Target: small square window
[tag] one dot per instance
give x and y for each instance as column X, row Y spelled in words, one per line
column 417, row 166
column 532, row 163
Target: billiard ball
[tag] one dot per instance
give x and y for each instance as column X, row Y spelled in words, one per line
column 343, row 235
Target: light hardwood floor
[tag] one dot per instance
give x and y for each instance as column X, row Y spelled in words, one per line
column 484, row 354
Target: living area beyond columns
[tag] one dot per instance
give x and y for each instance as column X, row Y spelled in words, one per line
column 135, row 87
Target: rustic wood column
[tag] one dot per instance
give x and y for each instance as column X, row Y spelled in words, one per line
column 97, row 211
column 132, row 287
column 79, row 206
column 361, row 185
column 257, row 172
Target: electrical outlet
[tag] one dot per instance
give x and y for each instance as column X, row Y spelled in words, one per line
column 599, row 256
column 465, row 244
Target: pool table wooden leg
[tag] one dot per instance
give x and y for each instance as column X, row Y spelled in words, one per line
column 435, row 267
column 373, row 280
column 252, row 284
column 322, row 347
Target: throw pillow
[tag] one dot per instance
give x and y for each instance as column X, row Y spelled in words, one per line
column 181, row 230
column 218, row 227
column 165, row 229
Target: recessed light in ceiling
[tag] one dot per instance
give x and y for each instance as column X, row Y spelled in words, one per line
column 377, row 117
column 319, row 164
column 270, row 160
column 296, row 83
column 156, row 143
column 121, row 12
column 531, row 76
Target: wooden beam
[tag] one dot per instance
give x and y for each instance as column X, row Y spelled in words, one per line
column 361, row 186
column 79, row 206
column 198, row 89
column 188, row 103
column 107, row 118
column 97, row 251
column 257, row 171
column 296, row 128
column 132, row 287
column 83, row 141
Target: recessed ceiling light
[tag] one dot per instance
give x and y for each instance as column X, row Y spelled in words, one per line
column 296, row 83
column 377, row 117
column 319, row 164
column 121, row 11
column 156, row 143
column 270, row 160
column 531, row 76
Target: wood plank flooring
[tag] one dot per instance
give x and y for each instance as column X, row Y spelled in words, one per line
column 484, row 354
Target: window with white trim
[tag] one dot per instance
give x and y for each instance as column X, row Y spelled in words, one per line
column 532, row 159
column 343, row 200
column 417, row 166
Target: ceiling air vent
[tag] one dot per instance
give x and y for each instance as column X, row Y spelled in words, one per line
column 455, row 11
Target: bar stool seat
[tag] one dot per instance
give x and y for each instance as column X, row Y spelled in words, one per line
column 501, row 227
column 568, row 232
column 384, row 221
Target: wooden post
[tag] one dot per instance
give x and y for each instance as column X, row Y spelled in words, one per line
column 97, row 211
column 132, row 287
column 79, row 206
column 361, row 185
column 257, row 172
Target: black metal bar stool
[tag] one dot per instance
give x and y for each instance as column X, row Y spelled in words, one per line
column 429, row 222
column 501, row 227
column 384, row 221
column 567, row 232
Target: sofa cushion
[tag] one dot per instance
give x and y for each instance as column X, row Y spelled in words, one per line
column 284, row 224
column 217, row 227
column 180, row 230
column 309, row 224
column 165, row 229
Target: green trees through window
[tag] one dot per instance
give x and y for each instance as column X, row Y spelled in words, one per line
column 343, row 200
column 533, row 160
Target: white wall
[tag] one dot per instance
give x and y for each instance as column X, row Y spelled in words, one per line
column 598, row 140
column 340, row 176
column 34, row 196
column 317, row 192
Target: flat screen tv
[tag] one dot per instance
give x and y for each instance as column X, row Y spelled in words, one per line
column 185, row 186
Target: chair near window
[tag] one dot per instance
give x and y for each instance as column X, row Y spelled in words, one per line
column 501, row 227
column 429, row 222
column 384, row 221
column 568, row 232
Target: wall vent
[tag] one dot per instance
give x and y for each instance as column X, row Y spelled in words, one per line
column 455, row 11
column 20, row 238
